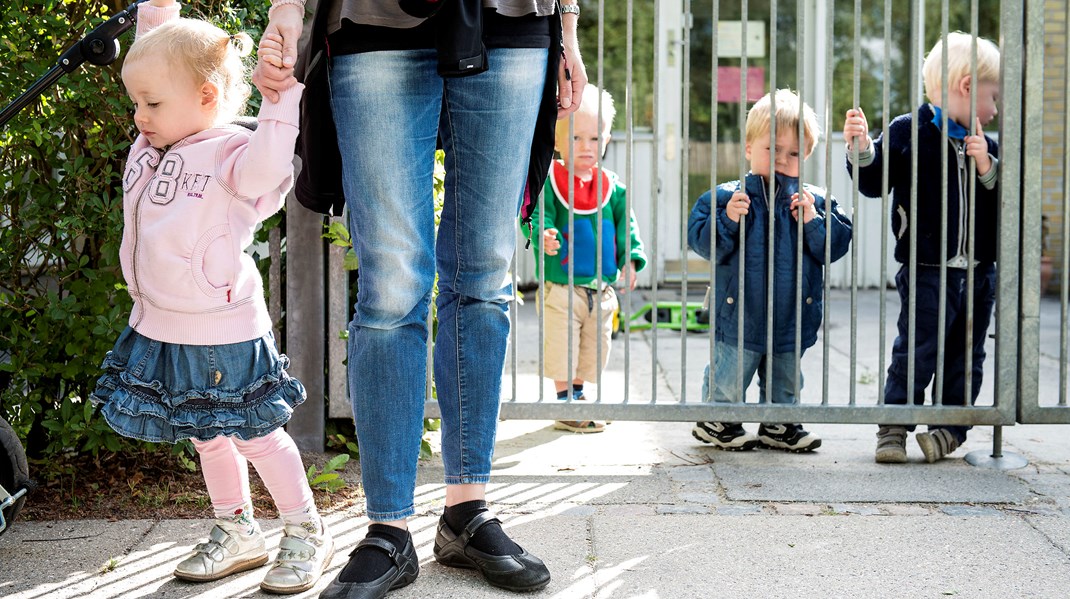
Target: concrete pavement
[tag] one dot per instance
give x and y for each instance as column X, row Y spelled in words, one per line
column 643, row 510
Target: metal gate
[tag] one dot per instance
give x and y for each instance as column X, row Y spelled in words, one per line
column 656, row 363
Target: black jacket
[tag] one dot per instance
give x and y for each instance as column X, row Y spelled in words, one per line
column 319, row 183
column 929, row 197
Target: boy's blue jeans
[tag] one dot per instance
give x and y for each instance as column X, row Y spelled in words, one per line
column 726, row 386
column 390, row 107
column 927, row 302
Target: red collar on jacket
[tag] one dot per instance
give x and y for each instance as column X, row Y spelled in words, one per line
column 585, row 197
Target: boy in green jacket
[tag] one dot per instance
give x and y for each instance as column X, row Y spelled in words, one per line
column 597, row 194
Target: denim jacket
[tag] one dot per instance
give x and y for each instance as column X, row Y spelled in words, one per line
column 701, row 226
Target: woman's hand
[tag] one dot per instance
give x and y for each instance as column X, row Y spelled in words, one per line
column 571, row 74
column 284, row 29
column 162, row 3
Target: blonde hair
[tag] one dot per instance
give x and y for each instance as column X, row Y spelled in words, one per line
column 959, row 57
column 589, row 102
column 207, row 53
column 787, row 118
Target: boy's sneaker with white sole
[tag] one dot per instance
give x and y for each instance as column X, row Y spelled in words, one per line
column 788, row 437
column 729, row 436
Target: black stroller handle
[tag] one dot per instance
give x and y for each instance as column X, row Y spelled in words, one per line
column 99, row 47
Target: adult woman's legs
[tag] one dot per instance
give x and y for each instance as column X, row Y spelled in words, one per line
column 386, row 107
column 487, row 123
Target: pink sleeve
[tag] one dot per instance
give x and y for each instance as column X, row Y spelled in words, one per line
column 260, row 167
column 150, row 17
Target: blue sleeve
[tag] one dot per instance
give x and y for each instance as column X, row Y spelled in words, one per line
column 698, row 226
column 840, row 231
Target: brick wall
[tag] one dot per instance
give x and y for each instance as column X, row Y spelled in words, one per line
column 1055, row 107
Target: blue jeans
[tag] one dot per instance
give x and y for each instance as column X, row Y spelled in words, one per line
column 927, row 302
column 389, row 108
column 726, row 386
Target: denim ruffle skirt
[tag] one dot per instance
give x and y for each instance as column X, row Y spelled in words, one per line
column 166, row 392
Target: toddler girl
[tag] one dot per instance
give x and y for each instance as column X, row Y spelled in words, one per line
column 198, row 359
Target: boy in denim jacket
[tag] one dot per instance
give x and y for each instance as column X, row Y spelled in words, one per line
column 750, row 198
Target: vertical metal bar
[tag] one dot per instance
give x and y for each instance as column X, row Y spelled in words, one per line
column 712, row 308
column 1064, row 275
column 741, row 275
column 540, row 257
column 571, row 370
column 598, row 258
column 1020, row 125
column 800, row 24
column 654, row 203
column 622, row 307
column 770, row 195
column 512, row 321
column 912, row 262
column 886, row 71
column 972, row 205
column 830, row 25
column 856, row 101
column 685, row 138
column 941, row 294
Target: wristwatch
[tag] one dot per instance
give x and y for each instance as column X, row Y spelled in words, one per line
column 570, row 8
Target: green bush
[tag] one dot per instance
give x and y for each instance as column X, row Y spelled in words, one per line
column 62, row 296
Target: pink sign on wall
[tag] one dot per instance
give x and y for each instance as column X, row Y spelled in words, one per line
column 728, row 84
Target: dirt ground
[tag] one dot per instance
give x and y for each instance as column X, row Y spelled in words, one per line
column 154, row 485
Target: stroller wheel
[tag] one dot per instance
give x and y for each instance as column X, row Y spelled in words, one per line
column 14, row 472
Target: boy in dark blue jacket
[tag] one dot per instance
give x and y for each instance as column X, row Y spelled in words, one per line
column 733, row 201
column 939, row 440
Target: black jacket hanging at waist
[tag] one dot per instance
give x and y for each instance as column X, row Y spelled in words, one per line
column 319, row 183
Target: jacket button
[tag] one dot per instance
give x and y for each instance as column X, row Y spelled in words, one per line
column 730, row 301
column 809, row 300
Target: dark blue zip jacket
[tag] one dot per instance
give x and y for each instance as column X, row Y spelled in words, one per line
column 930, row 198
column 701, row 225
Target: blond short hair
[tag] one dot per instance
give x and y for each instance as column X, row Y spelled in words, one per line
column 959, row 57
column 589, row 102
column 787, row 118
column 207, row 53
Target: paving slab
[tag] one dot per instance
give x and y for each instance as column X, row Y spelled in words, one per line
column 826, row 556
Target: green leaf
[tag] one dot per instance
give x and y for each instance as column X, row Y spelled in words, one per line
column 322, row 478
column 336, row 462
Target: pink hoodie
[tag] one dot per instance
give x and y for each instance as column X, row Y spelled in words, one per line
column 190, row 212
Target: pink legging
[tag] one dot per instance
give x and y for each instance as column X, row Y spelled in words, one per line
column 275, row 457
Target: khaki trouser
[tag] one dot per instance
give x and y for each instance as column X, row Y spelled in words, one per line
column 587, row 331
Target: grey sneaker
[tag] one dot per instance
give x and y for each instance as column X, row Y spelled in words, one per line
column 227, row 551
column 729, row 436
column 936, row 444
column 891, row 445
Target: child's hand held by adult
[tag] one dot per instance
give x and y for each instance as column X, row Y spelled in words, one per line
column 738, row 205
column 977, row 148
column 284, row 28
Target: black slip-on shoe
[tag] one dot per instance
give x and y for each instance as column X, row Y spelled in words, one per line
column 521, row 572
column 406, row 567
